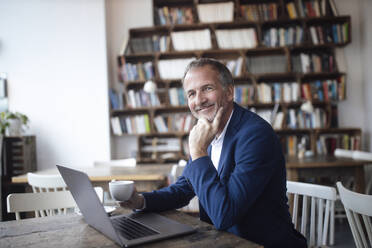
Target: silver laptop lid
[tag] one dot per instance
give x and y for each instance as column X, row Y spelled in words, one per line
column 89, row 204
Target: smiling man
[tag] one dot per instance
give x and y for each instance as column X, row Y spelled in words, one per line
column 236, row 165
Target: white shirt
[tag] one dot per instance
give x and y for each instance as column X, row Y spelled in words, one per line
column 217, row 143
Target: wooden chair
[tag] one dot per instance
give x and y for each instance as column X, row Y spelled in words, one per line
column 40, row 202
column 322, row 204
column 358, row 209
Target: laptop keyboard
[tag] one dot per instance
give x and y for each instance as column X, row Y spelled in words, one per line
column 130, row 229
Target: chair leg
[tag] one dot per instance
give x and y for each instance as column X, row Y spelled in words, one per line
column 332, row 225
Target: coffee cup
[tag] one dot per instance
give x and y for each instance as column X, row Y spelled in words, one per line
column 121, row 190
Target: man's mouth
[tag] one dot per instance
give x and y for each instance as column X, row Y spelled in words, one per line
column 204, row 108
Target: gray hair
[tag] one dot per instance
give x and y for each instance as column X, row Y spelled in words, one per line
column 224, row 73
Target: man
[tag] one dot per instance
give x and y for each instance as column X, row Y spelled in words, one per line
column 236, row 168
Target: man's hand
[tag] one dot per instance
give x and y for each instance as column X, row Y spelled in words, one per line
column 136, row 201
column 202, row 134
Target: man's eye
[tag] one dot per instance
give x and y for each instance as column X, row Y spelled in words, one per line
column 190, row 95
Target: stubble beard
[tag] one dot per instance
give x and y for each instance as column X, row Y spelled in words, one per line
column 211, row 116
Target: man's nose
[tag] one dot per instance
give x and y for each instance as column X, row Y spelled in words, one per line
column 200, row 98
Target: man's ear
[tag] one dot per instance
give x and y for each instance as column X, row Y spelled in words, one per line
column 230, row 92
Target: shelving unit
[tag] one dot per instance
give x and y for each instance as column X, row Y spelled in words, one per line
column 269, row 59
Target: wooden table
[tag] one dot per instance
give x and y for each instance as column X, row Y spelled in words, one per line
column 327, row 166
column 72, row 231
column 146, row 177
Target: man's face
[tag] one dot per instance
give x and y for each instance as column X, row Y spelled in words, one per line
column 204, row 92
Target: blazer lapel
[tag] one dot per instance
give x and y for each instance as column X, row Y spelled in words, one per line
column 230, row 132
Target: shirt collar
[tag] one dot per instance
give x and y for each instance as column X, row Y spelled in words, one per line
column 220, row 138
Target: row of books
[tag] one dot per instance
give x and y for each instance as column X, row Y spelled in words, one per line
column 311, row 62
column 244, row 94
column 173, row 68
column 175, row 15
column 326, row 90
column 327, row 143
column 236, row 38
column 335, row 33
column 140, row 98
column 235, row 66
column 179, row 122
column 191, row 40
column 277, row 92
column 276, row 37
column 149, row 44
column 239, row 38
column 256, row 12
column 139, row 71
column 224, row 12
column 176, row 97
column 216, row 12
column 310, row 8
column 135, row 124
column 296, row 118
column 290, row 144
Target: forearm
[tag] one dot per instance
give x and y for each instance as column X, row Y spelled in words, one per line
column 174, row 196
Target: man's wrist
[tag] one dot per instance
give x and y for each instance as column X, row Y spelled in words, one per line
column 142, row 202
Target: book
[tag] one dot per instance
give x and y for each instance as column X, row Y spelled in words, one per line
column 333, row 8
column 116, row 126
column 291, row 10
column 114, row 99
column 215, row 12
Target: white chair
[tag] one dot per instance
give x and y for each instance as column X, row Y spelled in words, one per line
column 51, row 183
column 358, row 207
column 177, row 169
column 321, row 215
column 40, row 202
column 45, row 183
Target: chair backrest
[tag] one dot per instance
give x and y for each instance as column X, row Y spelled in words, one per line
column 358, row 209
column 177, row 169
column 321, row 200
column 43, row 201
column 45, row 183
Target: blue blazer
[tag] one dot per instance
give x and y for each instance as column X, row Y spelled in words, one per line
column 247, row 195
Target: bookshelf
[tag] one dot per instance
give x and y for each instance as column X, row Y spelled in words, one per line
column 280, row 52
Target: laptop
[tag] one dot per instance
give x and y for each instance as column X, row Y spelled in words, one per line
column 126, row 230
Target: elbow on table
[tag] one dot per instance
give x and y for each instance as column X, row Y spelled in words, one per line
column 222, row 225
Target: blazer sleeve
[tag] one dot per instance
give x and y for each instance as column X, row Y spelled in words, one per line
column 257, row 155
column 175, row 196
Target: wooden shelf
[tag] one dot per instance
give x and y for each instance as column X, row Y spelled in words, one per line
column 245, row 78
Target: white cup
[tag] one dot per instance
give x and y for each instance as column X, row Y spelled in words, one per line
column 121, row 190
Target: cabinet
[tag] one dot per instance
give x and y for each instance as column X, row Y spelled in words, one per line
column 283, row 55
column 18, row 156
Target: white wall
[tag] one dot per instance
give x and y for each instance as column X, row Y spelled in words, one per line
column 55, row 55
column 354, row 92
column 121, row 16
column 357, row 110
column 366, row 44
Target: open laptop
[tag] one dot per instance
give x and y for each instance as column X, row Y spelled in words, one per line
column 125, row 230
